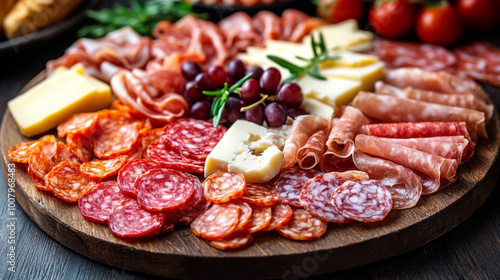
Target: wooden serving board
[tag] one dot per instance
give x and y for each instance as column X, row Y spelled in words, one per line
column 180, row 254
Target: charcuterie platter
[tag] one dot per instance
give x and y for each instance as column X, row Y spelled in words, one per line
column 180, row 254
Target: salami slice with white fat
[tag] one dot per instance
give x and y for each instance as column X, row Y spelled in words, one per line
column 164, row 189
column 97, row 204
column 131, row 171
column 290, row 182
column 261, row 217
column 218, row 222
column 303, row 226
column 362, row 200
column 130, row 220
column 281, row 214
column 258, row 194
column 316, row 194
column 162, row 154
column 231, row 243
column 222, row 187
column 245, row 216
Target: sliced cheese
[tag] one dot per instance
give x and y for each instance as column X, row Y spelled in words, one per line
column 343, row 35
column 55, row 99
column 367, row 75
column 315, row 107
column 249, row 149
column 350, row 59
column 333, row 91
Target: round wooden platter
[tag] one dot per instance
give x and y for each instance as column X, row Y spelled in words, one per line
column 180, row 254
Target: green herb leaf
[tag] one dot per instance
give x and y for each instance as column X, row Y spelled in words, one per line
column 283, row 63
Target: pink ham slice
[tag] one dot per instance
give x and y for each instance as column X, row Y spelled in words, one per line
column 310, row 154
column 341, row 138
column 434, row 166
column 393, row 109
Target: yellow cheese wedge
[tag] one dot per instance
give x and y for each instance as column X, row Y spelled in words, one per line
column 249, row 149
column 333, row 91
column 316, row 107
column 55, row 99
column 367, row 75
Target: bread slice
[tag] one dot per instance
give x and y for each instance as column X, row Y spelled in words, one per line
column 28, row 16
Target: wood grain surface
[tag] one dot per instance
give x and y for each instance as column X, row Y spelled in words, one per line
column 271, row 256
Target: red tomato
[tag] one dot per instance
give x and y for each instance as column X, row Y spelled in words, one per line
column 440, row 24
column 479, row 14
column 339, row 10
column 392, row 19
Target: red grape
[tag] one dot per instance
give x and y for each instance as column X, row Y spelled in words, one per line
column 255, row 114
column 192, row 93
column 204, row 82
column 233, row 107
column 201, row 110
column 290, row 95
column 256, row 72
column 236, row 70
column 250, row 91
column 275, row 115
column 190, row 69
column 295, row 112
column 270, row 81
column 218, row 75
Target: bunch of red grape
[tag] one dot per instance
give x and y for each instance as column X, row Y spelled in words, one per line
column 280, row 99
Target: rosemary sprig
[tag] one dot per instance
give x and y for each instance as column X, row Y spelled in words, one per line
column 321, row 54
column 221, row 97
column 142, row 16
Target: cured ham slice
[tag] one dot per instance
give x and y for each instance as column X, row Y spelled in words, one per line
column 341, row 138
column 123, row 48
column 466, row 100
column 403, row 184
column 393, row 109
column 332, row 163
column 310, row 154
column 239, row 32
column 302, row 129
column 268, row 24
column 134, row 90
column 434, row 81
column 434, row 166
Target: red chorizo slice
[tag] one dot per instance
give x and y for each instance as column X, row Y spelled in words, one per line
column 114, row 141
column 245, row 216
column 66, row 181
column 131, row 171
column 222, row 187
column 103, row 168
column 261, row 217
column 281, row 214
column 130, row 220
column 78, row 123
column 232, row 243
column 290, row 182
column 403, row 184
column 163, row 189
column 81, row 144
column 47, row 155
column 193, row 138
column 258, row 195
column 316, row 194
column 362, row 200
column 37, row 181
column 218, row 222
column 97, row 204
column 302, row 226
column 21, row 152
column 170, row 158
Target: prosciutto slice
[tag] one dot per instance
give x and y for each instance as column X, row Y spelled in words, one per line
column 331, row 163
column 310, row 154
column 268, row 24
column 403, row 184
column 434, row 81
column 393, row 109
column 303, row 128
column 239, row 32
column 341, row 138
column 434, row 166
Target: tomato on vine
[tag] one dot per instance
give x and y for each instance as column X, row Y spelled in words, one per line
column 335, row 11
column 479, row 14
column 439, row 23
column 392, row 18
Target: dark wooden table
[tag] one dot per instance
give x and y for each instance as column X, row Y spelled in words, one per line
column 469, row 251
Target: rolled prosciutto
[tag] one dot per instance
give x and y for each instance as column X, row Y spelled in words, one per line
column 341, row 138
column 310, row 154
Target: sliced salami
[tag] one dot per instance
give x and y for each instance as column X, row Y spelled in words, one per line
column 258, row 195
column 81, row 144
column 232, row 243
column 261, row 217
column 317, row 192
column 78, row 123
column 131, row 171
column 160, row 153
column 21, row 152
column 66, row 181
column 103, row 168
column 164, row 189
column 218, row 222
column 302, row 226
column 362, row 200
column 290, row 182
column 281, row 214
column 193, row 138
column 245, row 216
column 222, row 187
column 130, row 220
column 97, row 204
column 195, row 206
